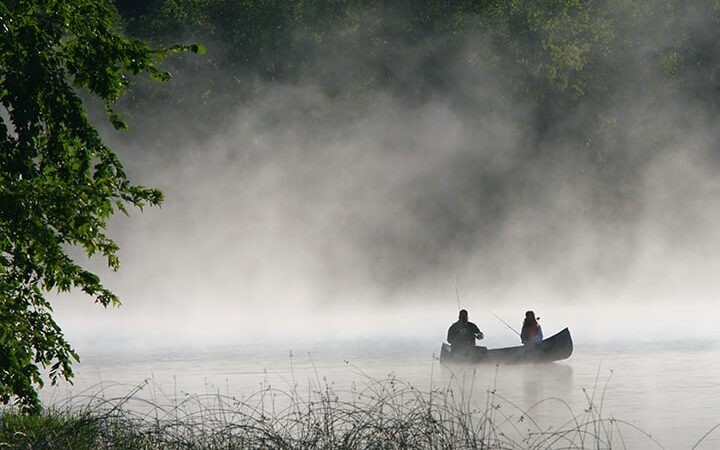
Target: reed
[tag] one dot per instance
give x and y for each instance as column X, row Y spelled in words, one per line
column 371, row 414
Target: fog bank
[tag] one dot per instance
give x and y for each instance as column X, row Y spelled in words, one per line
column 301, row 214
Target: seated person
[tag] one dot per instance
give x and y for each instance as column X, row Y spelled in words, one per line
column 531, row 330
column 462, row 334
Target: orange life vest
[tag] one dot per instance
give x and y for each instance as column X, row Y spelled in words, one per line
column 529, row 332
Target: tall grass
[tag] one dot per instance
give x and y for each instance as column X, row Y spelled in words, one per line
column 371, row 414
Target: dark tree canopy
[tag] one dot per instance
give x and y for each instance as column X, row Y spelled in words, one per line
column 559, row 53
column 59, row 183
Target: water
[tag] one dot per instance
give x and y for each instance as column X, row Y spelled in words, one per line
column 669, row 391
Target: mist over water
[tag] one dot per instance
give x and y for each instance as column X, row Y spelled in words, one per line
column 327, row 227
column 301, row 214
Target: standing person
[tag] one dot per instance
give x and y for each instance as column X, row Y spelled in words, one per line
column 462, row 334
column 531, row 330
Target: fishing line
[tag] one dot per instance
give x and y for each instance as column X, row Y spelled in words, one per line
column 506, row 324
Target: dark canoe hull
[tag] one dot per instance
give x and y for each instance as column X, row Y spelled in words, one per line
column 554, row 348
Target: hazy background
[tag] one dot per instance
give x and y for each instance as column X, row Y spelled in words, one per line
column 349, row 196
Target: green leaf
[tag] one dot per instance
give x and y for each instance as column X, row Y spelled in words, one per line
column 59, row 183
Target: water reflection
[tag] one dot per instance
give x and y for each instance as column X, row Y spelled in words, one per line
column 520, row 399
column 542, row 381
column 670, row 393
column 523, row 384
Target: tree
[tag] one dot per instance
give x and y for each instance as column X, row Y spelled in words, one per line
column 59, row 183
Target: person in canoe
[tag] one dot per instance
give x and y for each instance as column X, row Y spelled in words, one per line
column 531, row 329
column 462, row 334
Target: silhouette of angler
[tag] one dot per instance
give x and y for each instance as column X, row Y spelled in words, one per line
column 463, row 333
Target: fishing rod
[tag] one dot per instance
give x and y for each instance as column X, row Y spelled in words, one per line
column 457, row 292
column 457, row 296
column 506, row 324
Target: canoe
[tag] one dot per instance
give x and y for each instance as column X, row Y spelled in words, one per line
column 556, row 347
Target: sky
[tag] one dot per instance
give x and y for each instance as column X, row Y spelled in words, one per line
column 301, row 215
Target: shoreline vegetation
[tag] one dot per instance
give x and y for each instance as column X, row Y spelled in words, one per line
column 376, row 413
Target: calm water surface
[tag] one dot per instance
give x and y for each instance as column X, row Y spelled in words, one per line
column 671, row 391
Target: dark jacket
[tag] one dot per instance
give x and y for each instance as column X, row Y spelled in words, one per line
column 462, row 334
